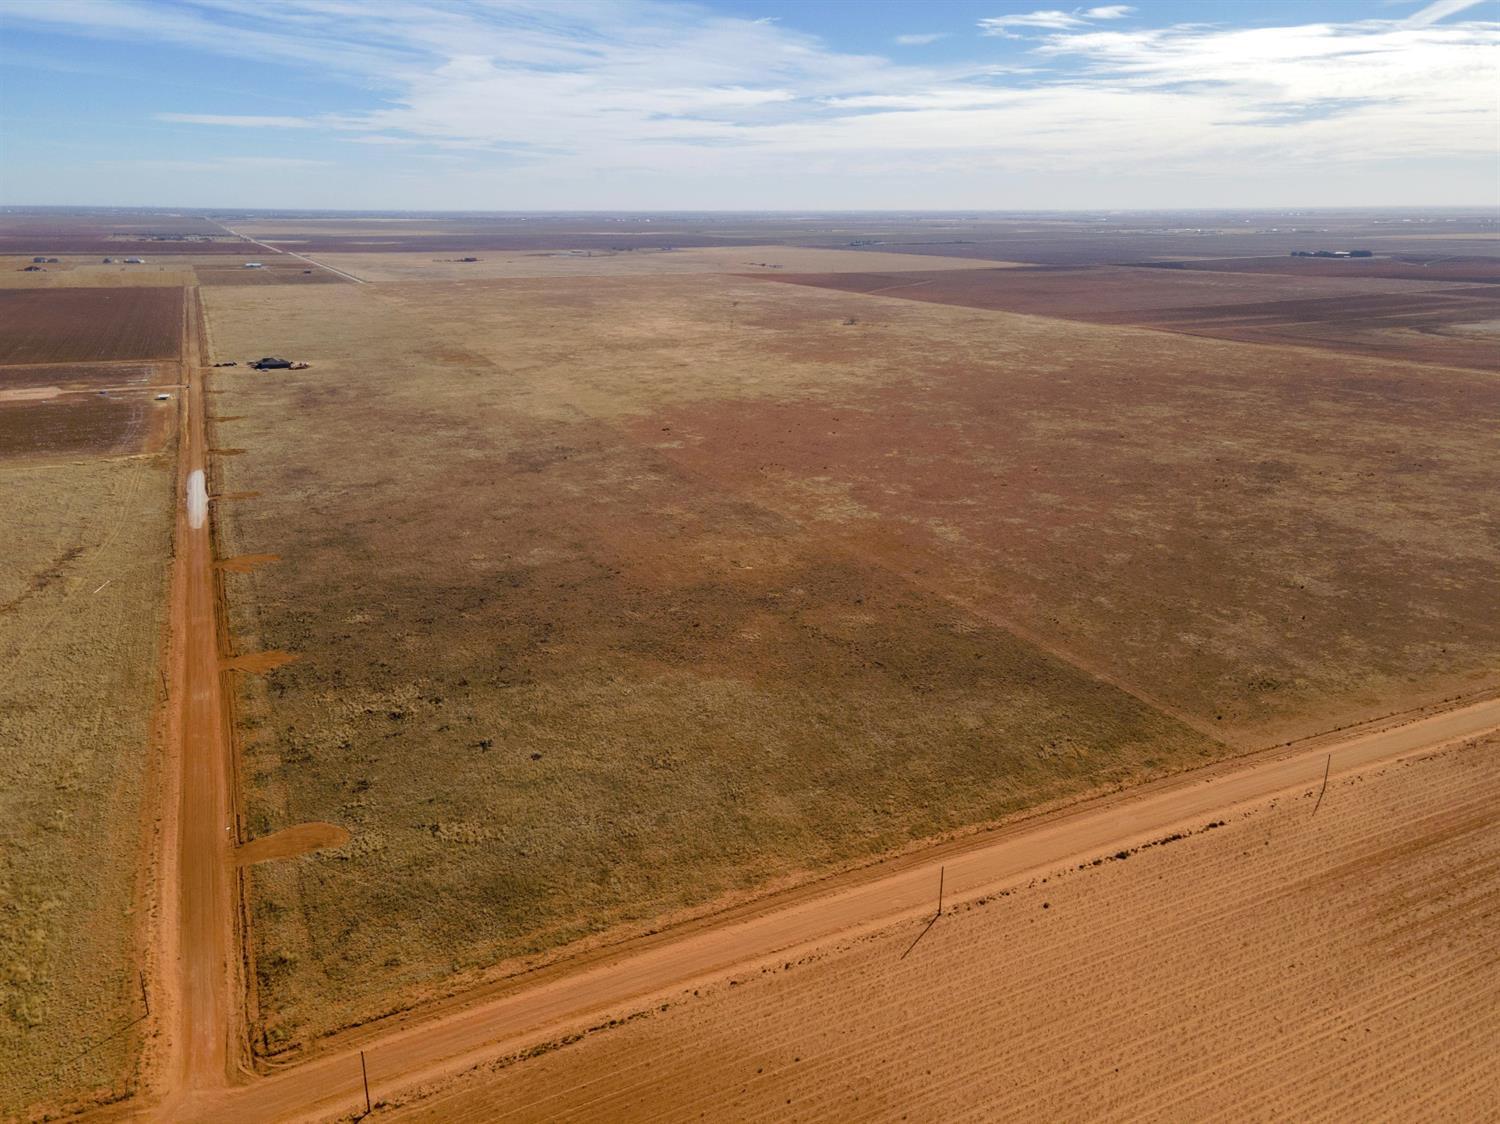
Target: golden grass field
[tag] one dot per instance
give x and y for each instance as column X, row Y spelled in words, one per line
column 616, row 597
column 82, row 586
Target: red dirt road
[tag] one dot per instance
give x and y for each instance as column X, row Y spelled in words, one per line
column 545, row 1005
column 196, row 978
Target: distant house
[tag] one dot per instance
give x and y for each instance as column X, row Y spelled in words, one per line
column 135, row 261
column 254, row 265
column 38, row 259
column 271, row 363
column 109, row 261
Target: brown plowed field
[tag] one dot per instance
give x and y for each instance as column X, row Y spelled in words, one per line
column 72, row 325
column 73, row 424
column 1369, row 315
column 1286, row 965
column 1473, row 270
column 89, row 376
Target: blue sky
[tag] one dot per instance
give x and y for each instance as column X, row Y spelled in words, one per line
column 744, row 104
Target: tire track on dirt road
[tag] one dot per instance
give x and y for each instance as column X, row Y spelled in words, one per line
column 544, row 1005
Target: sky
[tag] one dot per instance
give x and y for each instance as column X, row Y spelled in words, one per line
column 748, row 105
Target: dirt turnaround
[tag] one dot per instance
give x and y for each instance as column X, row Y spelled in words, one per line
column 291, row 842
column 259, row 662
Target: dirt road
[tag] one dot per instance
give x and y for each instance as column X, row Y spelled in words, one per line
column 543, row 1006
column 195, row 981
column 299, row 257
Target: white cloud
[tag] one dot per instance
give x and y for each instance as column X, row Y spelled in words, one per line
column 602, row 93
column 1052, row 19
column 920, row 40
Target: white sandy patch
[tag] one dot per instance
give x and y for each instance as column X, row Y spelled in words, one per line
column 197, row 499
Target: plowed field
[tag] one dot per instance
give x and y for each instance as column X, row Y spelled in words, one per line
column 67, row 425
column 1288, row 964
column 1373, row 315
column 70, row 325
column 88, row 376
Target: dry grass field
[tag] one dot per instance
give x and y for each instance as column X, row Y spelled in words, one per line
column 619, row 596
column 82, row 582
column 652, row 262
column 1283, row 966
column 72, row 325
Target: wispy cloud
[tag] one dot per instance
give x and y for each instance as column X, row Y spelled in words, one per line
column 1438, row 10
column 920, row 40
column 240, row 121
column 1051, row 20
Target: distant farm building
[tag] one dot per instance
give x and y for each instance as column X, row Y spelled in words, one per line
column 271, row 363
column 38, row 259
column 254, row 265
column 1333, row 253
column 135, row 261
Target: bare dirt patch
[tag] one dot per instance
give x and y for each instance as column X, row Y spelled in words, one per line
column 291, row 842
column 259, row 662
column 81, row 324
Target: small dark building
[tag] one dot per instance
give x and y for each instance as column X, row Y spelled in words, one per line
column 38, row 259
column 271, row 363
